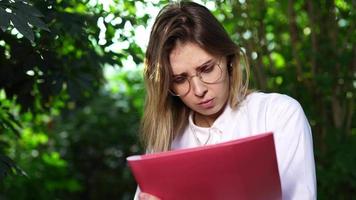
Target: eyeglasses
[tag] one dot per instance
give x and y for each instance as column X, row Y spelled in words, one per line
column 209, row 74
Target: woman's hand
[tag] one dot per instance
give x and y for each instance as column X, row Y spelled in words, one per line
column 146, row 196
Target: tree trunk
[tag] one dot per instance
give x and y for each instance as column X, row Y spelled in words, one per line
column 293, row 29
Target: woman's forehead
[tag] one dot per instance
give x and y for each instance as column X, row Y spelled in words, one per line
column 187, row 56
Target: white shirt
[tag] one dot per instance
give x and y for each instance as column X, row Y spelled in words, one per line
column 261, row 113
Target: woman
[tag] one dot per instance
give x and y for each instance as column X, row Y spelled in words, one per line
column 197, row 95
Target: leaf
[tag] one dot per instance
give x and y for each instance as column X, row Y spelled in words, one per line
column 4, row 170
column 35, row 21
column 20, row 23
column 8, row 166
column 8, row 125
column 4, row 19
column 27, row 9
column 13, row 119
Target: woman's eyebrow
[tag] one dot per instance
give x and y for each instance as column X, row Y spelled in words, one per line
column 181, row 74
column 204, row 64
column 196, row 68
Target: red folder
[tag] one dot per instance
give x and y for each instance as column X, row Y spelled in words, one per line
column 239, row 169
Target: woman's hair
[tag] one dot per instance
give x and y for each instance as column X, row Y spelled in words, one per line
column 165, row 116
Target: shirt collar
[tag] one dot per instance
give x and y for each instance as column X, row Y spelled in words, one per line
column 218, row 127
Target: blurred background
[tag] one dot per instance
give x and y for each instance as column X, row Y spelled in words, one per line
column 71, row 91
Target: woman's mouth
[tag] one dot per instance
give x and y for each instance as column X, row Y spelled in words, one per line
column 207, row 104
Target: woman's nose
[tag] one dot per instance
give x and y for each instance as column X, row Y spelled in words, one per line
column 199, row 87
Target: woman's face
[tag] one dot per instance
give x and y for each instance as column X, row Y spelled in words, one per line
column 206, row 99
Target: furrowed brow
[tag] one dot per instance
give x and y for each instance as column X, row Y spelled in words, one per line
column 210, row 61
column 205, row 64
column 181, row 74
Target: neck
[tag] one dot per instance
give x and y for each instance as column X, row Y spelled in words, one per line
column 203, row 120
column 206, row 120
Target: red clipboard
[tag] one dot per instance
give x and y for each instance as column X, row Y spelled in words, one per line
column 239, row 169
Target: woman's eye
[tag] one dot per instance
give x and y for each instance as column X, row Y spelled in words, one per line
column 207, row 69
column 179, row 79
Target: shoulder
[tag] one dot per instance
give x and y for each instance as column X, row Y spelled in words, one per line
column 275, row 98
column 271, row 102
column 279, row 111
column 273, row 109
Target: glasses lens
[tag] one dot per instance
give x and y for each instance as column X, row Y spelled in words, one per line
column 211, row 74
column 181, row 85
column 181, row 88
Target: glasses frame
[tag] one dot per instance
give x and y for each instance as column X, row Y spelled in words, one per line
column 198, row 74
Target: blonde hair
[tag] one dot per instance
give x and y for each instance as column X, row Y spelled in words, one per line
column 166, row 116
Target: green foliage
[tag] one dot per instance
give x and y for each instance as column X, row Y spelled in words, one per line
column 9, row 112
column 22, row 16
column 97, row 138
column 335, row 169
column 69, row 127
column 65, row 68
column 34, row 146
